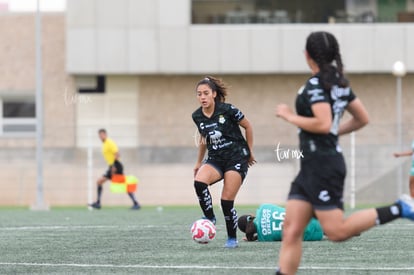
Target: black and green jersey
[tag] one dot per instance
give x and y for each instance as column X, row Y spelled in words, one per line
column 222, row 132
column 338, row 98
column 269, row 225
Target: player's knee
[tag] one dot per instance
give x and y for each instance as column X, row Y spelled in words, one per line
column 336, row 234
column 198, row 185
column 291, row 233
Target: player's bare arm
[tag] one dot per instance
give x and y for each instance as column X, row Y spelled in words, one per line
column 358, row 120
column 245, row 123
column 320, row 123
column 403, row 154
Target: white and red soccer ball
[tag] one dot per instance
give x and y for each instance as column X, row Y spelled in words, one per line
column 203, row 231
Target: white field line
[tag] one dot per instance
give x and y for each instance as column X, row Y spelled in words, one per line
column 193, row 267
column 74, row 227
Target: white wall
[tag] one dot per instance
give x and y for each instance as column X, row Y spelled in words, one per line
column 115, row 110
column 156, row 36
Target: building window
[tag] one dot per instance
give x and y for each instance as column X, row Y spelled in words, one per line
column 18, row 116
column 310, row 11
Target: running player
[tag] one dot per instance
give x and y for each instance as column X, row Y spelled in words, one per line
column 229, row 154
column 318, row 188
column 406, row 154
column 111, row 155
column 267, row 225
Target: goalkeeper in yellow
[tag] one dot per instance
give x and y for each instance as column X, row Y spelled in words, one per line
column 111, row 155
column 267, row 225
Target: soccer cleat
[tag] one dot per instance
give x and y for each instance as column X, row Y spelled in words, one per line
column 136, row 207
column 95, row 205
column 407, row 207
column 213, row 220
column 231, row 243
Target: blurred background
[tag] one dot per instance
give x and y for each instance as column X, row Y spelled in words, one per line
column 131, row 66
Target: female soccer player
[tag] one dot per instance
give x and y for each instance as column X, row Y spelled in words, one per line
column 229, row 154
column 318, row 188
column 267, row 225
column 407, row 154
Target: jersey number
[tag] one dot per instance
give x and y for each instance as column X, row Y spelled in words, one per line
column 279, row 216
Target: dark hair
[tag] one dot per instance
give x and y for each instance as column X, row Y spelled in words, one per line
column 323, row 48
column 246, row 225
column 102, row 131
column 217, row 85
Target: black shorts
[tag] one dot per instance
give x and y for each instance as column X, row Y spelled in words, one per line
column 222, row 166
column 320, row 182
column 119, row 169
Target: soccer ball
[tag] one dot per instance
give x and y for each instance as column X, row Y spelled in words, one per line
column 203, row 231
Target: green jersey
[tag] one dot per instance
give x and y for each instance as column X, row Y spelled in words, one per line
column 269, row 224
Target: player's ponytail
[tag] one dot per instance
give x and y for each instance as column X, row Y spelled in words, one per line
column 323, row 48
column 216, row 85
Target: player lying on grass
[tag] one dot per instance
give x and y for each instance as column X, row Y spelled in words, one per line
column 267, row 225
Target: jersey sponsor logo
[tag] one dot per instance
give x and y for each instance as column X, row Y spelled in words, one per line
column 222, row 119
column 324, row 196
column 312, row 145
column 215, row 137
column 316, row 95
column 239, row 115
column 314, row 81
column 337, row 92
column 222, row 145
column 217, row 140
column 338, row 106
column 265, row 222
column 203, row 126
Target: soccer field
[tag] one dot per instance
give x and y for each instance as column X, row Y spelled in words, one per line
column 157, row 241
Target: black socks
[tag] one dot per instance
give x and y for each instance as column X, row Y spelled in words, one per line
column 132, row 196
column 99, row 193
column 388, row 213
column 206, row 204
column 204, row 198
column 230, row 215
